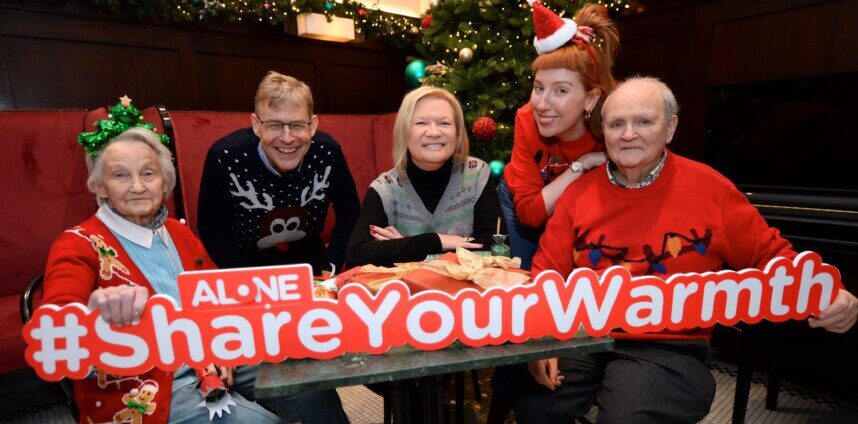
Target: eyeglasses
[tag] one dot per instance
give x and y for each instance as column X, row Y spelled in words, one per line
column 277, row 127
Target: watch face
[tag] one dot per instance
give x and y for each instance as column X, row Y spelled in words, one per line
column 577, row 167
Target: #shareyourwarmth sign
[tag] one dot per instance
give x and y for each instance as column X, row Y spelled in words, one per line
column 244, row 316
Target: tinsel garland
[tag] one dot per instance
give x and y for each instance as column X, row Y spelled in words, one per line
column 120, row 119
column 399, row 31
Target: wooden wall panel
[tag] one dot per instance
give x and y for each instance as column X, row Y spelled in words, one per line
column 228, row 82
column 809, row 40
column 70, row 56
column 6, row 101
column 363, row 88
column 46, row 73
column 695, row 45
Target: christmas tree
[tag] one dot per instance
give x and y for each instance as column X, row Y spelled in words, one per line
column 481, row 50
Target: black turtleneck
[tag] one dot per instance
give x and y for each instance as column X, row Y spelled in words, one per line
column 363, row 249
column 429, row 185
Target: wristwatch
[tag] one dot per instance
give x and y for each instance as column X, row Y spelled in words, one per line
column 577, row 167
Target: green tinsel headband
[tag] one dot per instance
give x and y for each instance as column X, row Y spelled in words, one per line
column 122, row 117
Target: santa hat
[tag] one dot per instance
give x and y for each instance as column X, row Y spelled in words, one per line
column 552, row 31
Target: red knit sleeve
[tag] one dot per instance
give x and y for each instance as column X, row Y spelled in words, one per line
column 522, row 175
column 71, row 271
column 751, row 242
column 555, row 245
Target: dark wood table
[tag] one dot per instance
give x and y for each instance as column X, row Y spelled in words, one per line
column 415, row 376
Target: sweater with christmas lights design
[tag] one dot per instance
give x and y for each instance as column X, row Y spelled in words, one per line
column 87, row 257
column 690, row 219
column 537, row 161
column 250, row 216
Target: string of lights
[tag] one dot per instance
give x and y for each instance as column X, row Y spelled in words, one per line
column 369, row 21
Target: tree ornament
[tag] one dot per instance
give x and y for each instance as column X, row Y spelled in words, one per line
column 414, row 30
column 465, row 55
column 496, row 166
column 266, row 5
column 414, row 73
column 361, row 12
column 329, row 6
column 438, row 68
column 484, row 128
column 434, row 3
column 426, row 22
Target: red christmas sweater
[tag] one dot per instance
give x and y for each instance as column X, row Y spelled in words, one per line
column 87, row 257
column 690, row 219
column 536, row 161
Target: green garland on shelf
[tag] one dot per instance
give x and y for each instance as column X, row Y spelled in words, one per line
column 399, row 31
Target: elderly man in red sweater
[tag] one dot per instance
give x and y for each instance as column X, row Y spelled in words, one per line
column 659, row 214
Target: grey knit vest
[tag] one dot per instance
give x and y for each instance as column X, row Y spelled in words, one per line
column 455, row 211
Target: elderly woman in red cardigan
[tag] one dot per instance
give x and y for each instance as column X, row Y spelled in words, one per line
column 113, row 262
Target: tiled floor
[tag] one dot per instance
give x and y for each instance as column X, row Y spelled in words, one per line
column 365, row 407
column 794, row 405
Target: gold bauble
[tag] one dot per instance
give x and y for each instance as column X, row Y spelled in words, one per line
column 465, row 55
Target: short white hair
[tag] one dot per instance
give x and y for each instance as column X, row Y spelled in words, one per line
column 671, row 107
column 95, row 165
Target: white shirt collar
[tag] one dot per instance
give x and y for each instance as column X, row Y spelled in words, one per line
column 129, row 230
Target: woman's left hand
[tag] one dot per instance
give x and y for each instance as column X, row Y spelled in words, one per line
column 451, row 242
column 386, row 233
column 839, row 316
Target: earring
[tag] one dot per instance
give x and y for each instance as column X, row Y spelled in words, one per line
column 586, row 115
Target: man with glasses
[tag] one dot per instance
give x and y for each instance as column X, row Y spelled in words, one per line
column 265, row 190
column 264, row 196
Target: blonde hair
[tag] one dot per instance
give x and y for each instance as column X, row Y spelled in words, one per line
column 576, row 58
column 277, row 90
column 402, row 126
column 95, row 165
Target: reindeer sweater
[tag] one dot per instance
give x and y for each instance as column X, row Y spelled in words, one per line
column 249, row 216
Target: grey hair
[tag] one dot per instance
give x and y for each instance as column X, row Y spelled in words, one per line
column 162, row 153
column 671, row 107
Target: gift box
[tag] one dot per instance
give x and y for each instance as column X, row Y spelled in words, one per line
column 428, row 279
column 420, row 277
column 371, row 280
